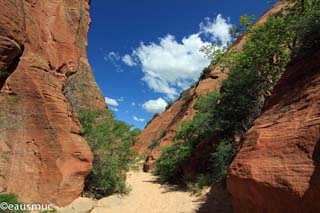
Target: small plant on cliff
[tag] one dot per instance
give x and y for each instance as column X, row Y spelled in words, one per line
column 185, row 95
column 154, row 144
column 110, row 142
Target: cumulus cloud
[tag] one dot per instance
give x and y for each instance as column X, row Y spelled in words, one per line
column 218, row 29
column 133, row 104
column 155, row 106
column 170, row 65
column 138, row 119
column 111, row 101
column 128, row 60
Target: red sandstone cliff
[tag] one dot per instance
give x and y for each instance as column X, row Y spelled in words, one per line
column 164, row 127
column 278, row 166
column 45, row 79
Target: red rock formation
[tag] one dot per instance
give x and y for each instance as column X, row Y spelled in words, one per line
column 278, row 166
column 45, row 78
column 164, row 127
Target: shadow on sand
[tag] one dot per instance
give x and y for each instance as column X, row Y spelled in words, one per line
column 218, row 200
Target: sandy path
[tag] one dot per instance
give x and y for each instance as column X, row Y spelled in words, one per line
column 147, row 196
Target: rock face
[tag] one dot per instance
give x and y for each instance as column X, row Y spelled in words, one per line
column 278, row 166
column 45, row 79
column 163, row 128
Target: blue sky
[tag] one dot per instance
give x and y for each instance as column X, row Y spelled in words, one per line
column 145, row 52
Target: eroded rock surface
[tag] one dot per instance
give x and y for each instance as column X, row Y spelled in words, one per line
column 278, row 166
column 45, row 79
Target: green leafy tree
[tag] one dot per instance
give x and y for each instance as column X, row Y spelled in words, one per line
column 170, row 164
column 246, row 21
column 110, row 142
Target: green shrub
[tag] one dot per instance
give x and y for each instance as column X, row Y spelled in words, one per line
column 169, row 166
column 154, row 144
column 308, row 29
column 198, row 182
column 221, row 159
column 200, row 127
column 185, row 95
column 205, row 73
column 110, row 142
column 10, row 199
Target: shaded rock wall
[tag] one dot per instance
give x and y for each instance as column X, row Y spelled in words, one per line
column 45, row 80
column 278, row 166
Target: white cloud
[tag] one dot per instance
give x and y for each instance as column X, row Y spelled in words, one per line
column 138, row 119
column 114, row 109
column 133, row 104
column 218, row 30
column 114, row 58
column 121, row 99
column 111, row 102
column 128, row 60
column 170, row 65
column 155, row 106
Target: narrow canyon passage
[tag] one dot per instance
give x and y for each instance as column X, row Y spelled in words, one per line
column 146, row 196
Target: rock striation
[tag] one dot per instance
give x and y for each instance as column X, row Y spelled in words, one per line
column 45, row 79
column 278, row 166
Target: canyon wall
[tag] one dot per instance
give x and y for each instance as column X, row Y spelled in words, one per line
column 45, row 79
column 163, row 128
column 278, row 166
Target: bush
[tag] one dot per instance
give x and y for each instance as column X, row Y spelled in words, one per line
column 201, row 126
column 185, row 95
column 10, row 199
column 170, row 164
column 110, row 142
column 154, row 144
column 221, row 159
column 308, row 29
column 205, row 73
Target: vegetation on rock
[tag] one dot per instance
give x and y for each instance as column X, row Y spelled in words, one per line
column 253, row 72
